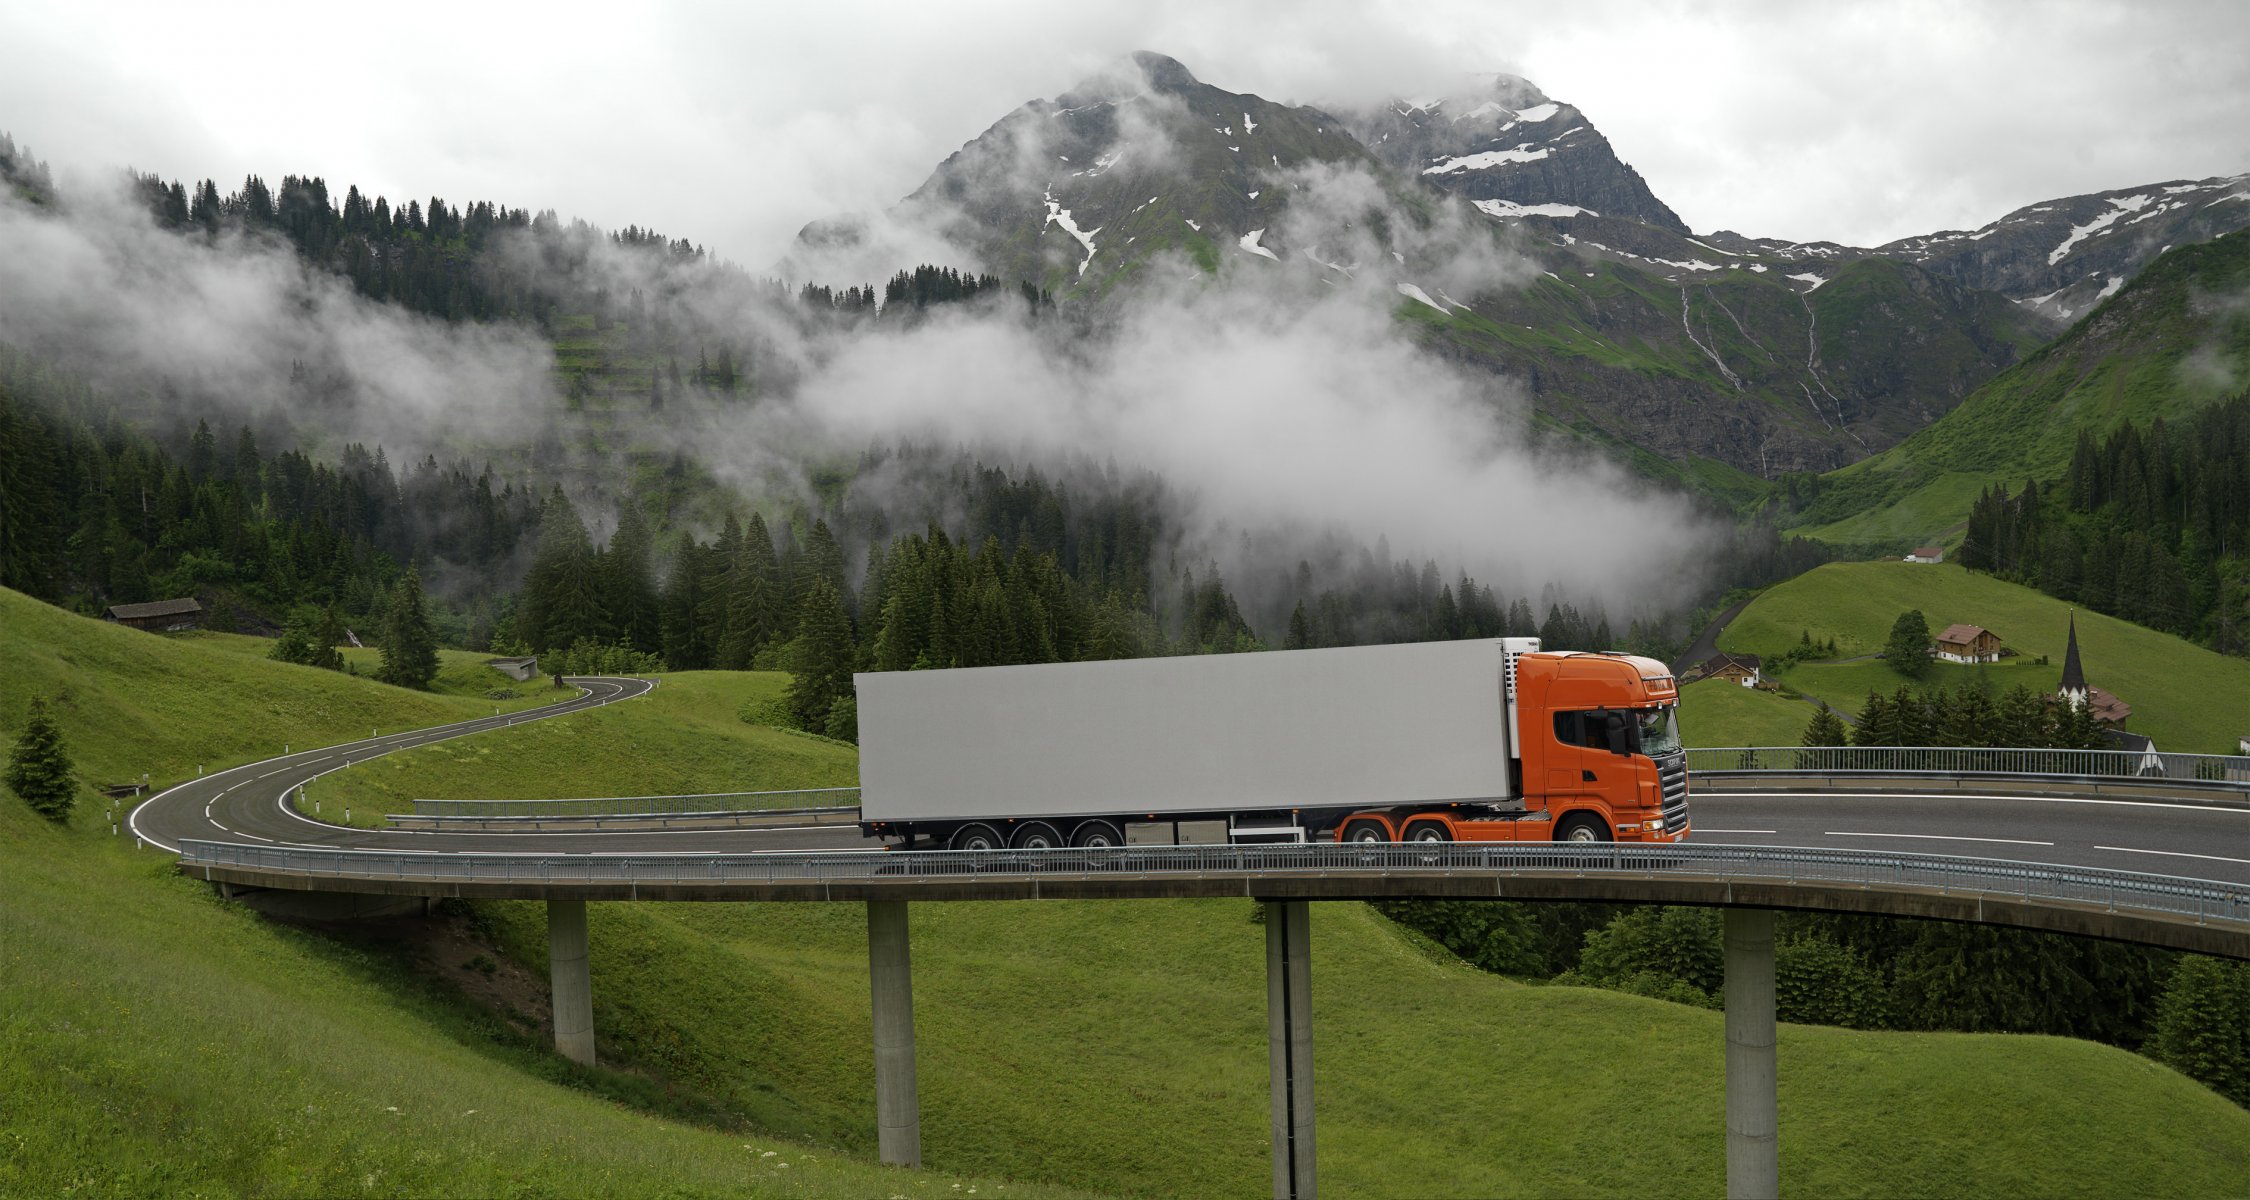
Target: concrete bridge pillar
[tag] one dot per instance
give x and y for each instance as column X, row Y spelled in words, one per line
column 898, row 1107
column 1753, row 1148
column 1289, row 1043
column 573, row 982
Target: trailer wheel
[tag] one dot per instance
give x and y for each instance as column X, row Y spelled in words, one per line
column 1096, row 834
column 1365, row 831
column 978, row 837
column 1427, row 831
column 1582, row 827
column 1037, row 835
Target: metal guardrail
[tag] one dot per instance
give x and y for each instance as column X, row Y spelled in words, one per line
column 626, row 806
column 2208, row 770
column 2202, row 899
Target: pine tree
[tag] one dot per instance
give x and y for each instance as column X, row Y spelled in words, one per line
column 327, row 635
column 821, row 670
column 628, row 589
column 39, row 769
column 1907, row 651
column 1826, row 729
column 1300, row 632
column 409, row 647
column 2203, row 1025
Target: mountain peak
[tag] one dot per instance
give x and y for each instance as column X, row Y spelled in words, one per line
column 1164, row 73
column 1136, row 74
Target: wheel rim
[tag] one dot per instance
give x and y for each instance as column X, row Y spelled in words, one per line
column 1367, row 833
column 1580, row 832
column 1429, row 835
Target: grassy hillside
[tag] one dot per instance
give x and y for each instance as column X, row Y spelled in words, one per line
column 2186, row 697
column 1714, row 712
column 683, row 738
column 461, row 673
column 2170, row 342
column 157, row 1042
column 131, row 702
column 154, row 1041
column 1122, row 1046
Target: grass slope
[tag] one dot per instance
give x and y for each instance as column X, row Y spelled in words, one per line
column 157, row 1042
column 131, row 702
column 684, row 738
column 2186, row 697
column 2167, row 344
column 1122, row 1046
column 1714, row 712
column 154, row 1041
column 461, row 673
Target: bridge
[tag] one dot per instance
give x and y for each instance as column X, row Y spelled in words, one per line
column 2149, row 849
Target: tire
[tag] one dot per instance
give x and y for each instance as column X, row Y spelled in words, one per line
column 1037, row 835
column 1365, row 831
column 1096, row 833
column 1427, row 831
column 1582, row 828
column 977, row 837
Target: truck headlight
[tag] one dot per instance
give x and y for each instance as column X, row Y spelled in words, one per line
column 1656, row 826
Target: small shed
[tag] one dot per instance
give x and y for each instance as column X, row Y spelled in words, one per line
column 518, row 669
column 1734, row 668
column 1968, row 644
column 159, row 616
column 1927, row 554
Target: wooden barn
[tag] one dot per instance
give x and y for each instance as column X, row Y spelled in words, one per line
column 159, row 616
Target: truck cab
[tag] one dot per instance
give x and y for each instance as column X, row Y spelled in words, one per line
column 1595, row 757
column 1600, row 746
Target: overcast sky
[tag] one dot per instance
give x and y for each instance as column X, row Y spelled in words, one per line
column 735, row 124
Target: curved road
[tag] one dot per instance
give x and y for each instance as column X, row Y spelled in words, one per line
column 2184, row 839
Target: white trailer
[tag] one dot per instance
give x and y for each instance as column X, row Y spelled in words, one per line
column 1204, row 748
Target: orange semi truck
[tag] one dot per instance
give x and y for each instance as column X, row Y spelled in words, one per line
column 1488, row 740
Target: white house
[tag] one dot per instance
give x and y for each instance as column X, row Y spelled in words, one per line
column 1927, row 554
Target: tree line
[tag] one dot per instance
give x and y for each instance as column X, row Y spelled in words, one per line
column 94, row 512
column 2151, row 524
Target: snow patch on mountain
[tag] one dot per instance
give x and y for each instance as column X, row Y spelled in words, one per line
column 1248, row 126
column 1490, row 158
column 1249, row 241
column 1814, row 282
column 1539, row 112
column 1509, row 208
column 2120, row 206
column 1059, row 216
column 1414, row 293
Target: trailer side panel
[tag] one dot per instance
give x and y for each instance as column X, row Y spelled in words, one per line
column 1362, row 726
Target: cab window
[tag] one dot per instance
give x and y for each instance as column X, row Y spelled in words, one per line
column 1582, row 729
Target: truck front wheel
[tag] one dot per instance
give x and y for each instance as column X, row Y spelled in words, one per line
column 1582, row 827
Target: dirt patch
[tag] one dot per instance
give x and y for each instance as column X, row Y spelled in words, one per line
column 451, row 947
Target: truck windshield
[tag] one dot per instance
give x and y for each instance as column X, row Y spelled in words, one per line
column 1660, row 731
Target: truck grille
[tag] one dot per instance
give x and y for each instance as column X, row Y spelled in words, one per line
column 1671, row 771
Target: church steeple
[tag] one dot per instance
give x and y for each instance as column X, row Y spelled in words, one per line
column 2074, row 676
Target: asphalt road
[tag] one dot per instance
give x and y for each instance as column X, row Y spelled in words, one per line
column 2187, row 840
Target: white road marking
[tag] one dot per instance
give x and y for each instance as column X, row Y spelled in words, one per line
column 1939, row 837
column 1701, row 829
column 2205, row 808
column 2173, row 854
